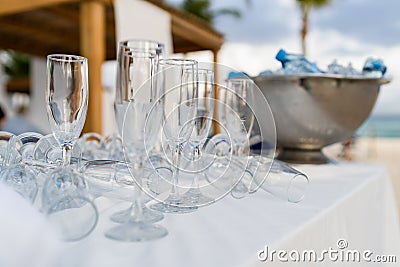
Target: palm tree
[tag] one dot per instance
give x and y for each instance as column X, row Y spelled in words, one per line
column 17, row 68
column 202, row 9
column 15, row 64
column 305, row 7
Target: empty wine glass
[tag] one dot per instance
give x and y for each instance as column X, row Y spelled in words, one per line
column 141, row 124
column 238, row 117
column 275, row 177
column 236, row 112
column 202, row 126
column 66, row 99
column 180, row 110
column 123, row 96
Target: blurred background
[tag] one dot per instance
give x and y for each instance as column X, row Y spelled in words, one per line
column 348, row 31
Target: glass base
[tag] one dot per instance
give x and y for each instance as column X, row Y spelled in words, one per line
column 194, row 197
column 136, row 232
column 173, row 205
column 148, row 215
column 240, row 190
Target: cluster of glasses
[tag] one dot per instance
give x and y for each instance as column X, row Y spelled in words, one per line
column 165, row 113
column 44, row 169
column 164, row 110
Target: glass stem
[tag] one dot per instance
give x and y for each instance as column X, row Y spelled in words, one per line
column 238, row 150
column 239, row 153
column 175, row 175
column 195, row 183
column 66, row 154
column 137, row 209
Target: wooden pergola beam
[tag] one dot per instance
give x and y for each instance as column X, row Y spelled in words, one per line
column 16, row 6
column 51, row 35
column 35, row 48
column 93, row 46
column 195, row 34
column 69, row 14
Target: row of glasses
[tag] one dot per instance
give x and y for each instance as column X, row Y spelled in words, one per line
column 152, row 94
column 187, row 118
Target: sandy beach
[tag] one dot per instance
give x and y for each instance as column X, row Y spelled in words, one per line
column 384, row 151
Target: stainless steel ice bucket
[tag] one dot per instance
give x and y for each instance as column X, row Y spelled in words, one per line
column 312, row 111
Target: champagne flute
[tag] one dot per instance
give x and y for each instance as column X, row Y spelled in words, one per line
column 122, row 99
column 179, row 116
column 236, row 112
column 122, row 93
column 238, row 118
column 66, row 99
column 67, row 104
column 202, row 126
column 141, row 125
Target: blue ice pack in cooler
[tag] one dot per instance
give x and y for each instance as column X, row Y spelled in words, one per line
column 237, row 75
column 296, row 63
column 374, row 67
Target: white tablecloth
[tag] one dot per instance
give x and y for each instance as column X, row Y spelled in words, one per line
column 353, row 202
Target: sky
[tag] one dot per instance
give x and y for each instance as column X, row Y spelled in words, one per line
column 345, row 30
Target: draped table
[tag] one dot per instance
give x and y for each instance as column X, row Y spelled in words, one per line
column 348, row 206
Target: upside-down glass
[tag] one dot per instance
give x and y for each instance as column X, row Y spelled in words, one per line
column 122, row 98
column 27, row 142
column 180, row 110
column 22, row 179
column 6, row 148
column 202, row 126
column 68, row 204
column 22, row 174
column 92, row 145
column 67, row 99
column 12, row 171
column 141, row 124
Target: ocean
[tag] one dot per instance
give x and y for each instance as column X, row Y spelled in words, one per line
column 387, row 126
